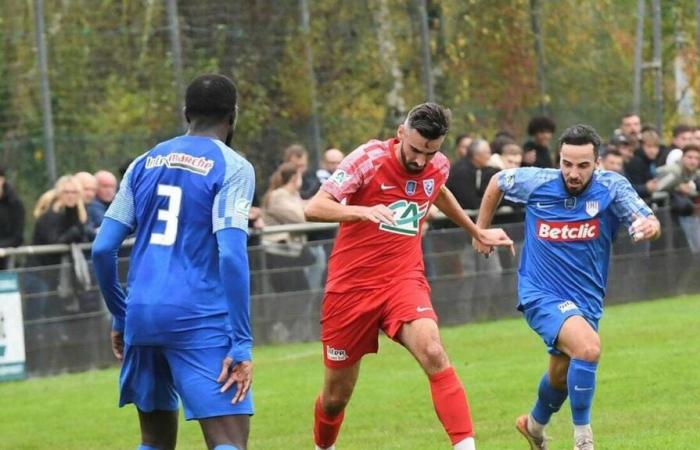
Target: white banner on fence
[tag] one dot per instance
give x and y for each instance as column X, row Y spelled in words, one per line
column 12, row 356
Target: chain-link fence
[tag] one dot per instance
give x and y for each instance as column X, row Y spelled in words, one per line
column 323, row 72
column 67, row 326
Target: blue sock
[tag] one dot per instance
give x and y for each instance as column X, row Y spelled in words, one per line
column 146, row 447
column 581, row 383
column 225, row 447
column 549, row 400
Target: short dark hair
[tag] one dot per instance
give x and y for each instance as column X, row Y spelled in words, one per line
column 613, row 152
column 680, row 129
column 431, row 120
column 501, row 139
column 460, row 137
column 691, row 148
column 211, row 97
column 539, row 124
column 580, row 134
column 628, row 114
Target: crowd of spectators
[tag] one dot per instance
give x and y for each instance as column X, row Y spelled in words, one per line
column 73, row 210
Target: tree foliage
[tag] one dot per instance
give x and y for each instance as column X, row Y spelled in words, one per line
column 114, row 95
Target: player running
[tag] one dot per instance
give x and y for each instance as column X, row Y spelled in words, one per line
column 381, row 193
column 572, row 215
column 183, row 329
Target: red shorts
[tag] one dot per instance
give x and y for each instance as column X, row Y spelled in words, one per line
column 350, row 321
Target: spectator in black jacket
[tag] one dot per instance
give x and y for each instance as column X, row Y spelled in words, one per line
column 64, row 222
column 641, row 169
column 470, row 175
column 11, row 217
column 540, row 129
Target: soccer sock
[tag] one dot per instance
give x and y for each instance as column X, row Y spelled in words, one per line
column 225, row 447
column 549, row 401
column 581, row 382
column 326, row 428
column 451, row 405
column 146, row 447
column 467, row 444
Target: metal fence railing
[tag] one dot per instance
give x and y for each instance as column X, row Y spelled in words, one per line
column 66, row 325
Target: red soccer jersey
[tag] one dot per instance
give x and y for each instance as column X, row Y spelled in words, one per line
column 367, row 255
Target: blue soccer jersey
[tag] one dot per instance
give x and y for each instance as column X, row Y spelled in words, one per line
column 175, row 198
column 568, row 237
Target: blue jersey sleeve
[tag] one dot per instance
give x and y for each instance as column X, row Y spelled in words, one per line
column 232, row 202
column 123, row 209
column 104, row 257
column 627, row 204
column 233, row 266
column 518, row 184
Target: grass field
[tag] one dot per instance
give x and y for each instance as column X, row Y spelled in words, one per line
column 648, row 394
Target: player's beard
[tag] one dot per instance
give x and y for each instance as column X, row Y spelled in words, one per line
column 411, row 167
column 577, row 189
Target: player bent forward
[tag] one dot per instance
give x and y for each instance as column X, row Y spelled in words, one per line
column 572, row 216
column 381, row 193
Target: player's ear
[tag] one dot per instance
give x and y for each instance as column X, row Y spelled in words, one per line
column 184, row 112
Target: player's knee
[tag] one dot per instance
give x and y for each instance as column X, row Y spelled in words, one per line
column 434, row 356
column 335, row 402
column 589, row 352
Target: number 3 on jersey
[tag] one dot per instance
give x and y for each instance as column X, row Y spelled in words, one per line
column 169, row 216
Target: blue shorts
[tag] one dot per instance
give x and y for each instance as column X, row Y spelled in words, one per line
column 153, row 377
column 547, row 315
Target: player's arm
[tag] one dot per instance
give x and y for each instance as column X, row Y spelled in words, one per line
column 104, row 258
column 632, row 210
column 233, row 266
column 323, row 207
column 489, row 203
column 448, row 204
column 230, row 211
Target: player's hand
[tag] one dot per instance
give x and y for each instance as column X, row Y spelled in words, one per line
column 241, row 374
column 377, row 214
column 645, row 228
column 485, row 250
column 492, row 237
column 117, row 338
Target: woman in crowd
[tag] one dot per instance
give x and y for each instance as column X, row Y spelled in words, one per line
column 282, row 205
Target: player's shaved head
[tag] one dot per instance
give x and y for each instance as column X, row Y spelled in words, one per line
column 211, row 98
column 431, row 120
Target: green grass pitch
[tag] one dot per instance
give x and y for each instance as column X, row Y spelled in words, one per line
column 648, row 394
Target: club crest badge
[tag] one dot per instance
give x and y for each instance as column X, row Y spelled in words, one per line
column 429, row 186
column 592, row 208
column 411, row 187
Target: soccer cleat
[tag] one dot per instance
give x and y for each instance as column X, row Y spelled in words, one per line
column 536, row 443
column 584, row 443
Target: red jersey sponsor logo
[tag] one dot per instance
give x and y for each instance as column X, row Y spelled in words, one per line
column 586, row 230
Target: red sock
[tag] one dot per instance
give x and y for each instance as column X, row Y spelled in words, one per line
column 326, row 428
column 451, row 405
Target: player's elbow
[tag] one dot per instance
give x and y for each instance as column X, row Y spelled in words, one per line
column 312, row 211
column 102, row 249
